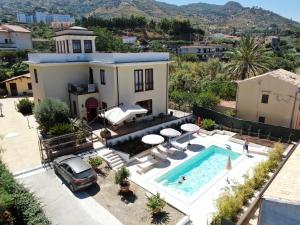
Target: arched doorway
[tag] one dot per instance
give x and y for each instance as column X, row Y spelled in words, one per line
column 91, row 105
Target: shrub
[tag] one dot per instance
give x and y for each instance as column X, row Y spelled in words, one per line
column 25, row 106
column 207, row 100
column 95, row 161
column 156, row 203
column 122, row 176
column 51, row 112
column 207, row 124
column 60, row 129
column 2, row 92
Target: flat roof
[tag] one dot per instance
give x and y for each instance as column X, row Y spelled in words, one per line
column 286, row 185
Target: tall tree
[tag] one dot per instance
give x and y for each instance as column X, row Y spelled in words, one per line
column 248, row 60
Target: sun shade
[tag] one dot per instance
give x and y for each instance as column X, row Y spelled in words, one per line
column 119, row 114
column 170, row 132
column 153, row 139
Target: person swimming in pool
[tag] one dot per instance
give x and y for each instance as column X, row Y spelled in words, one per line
column 183, row 178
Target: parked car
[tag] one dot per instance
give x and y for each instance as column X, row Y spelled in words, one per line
column 77, row 173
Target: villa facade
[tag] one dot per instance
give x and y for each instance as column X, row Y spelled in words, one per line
column 272, row 98
column 90, row 81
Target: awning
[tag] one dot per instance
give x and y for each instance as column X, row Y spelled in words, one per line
column 119, row 114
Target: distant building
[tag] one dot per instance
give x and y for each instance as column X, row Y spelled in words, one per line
column 61, row 25
column 272, row 98
column 19, row 85
column 129, row 39
column 13, row 37
column 274, row 41
column 43, row 17
column 204, row 52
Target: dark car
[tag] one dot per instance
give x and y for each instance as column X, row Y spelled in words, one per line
column 77, row 173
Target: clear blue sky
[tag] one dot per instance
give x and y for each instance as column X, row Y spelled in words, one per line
column 286, row 8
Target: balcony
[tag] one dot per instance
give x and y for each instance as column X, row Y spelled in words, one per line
column 8, row 45
column 81, row 89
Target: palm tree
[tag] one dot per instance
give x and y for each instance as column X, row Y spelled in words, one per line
column 248, row 60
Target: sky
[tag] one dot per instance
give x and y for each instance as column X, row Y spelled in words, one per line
column 286, row 8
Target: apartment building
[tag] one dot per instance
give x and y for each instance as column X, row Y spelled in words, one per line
column 43, row 17
column 13, row 37
column 204, row 52
column 272, row 98
column 90, row 81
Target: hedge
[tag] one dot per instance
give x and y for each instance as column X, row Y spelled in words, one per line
column 27, row 207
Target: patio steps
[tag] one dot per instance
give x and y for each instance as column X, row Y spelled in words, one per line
column 114, row 160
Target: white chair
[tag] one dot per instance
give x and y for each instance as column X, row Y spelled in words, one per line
column 156, row 153
column 145, row 166
column 167, row 150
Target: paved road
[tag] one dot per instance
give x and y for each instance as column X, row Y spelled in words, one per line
column 63, row 207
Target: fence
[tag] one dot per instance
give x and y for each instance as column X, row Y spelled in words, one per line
column 248, row 127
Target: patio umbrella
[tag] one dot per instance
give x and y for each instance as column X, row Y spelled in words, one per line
column 170, row 132
column 153, row 139
column 190, row 127
column 228, row 167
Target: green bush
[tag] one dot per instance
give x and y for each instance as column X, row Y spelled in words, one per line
column 51, row 112
column 60, row 129
column 25, row 204
column 207, row 100
column 156, row 203
column 25, row 106
column 95, row 161
column 122, row 175
column 207, row 124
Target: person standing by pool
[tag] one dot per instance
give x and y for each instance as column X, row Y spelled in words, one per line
column 246, row 146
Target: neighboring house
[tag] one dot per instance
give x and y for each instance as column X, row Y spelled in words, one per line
column 274, row 41
column 19, row 85
column 280, row 204
column 272, row 98
column 129, row 39
column 43, row 17
column 90, row 81
column 13, row 37
column 204, row 52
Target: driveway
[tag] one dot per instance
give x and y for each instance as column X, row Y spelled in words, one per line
column 61, row 206
column 20, row 139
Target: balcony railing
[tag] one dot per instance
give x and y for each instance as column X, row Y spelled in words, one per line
column 8, row 45
column 82, row 88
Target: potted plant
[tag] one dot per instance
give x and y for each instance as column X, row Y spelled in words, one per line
column 156, row 203
column 121, row 178
column 105, row 134
column 95, row 162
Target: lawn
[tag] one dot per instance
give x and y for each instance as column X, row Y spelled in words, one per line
column 130, row 209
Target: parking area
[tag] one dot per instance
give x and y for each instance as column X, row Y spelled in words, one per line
column 61, row 205
column 19, row 138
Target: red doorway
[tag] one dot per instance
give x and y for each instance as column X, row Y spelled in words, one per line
column 91, row 105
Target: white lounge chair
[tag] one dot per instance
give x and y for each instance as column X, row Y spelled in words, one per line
column 178, row 146
column 145, row 166
column 144, row 158
column 167, row 150
column 157, row 154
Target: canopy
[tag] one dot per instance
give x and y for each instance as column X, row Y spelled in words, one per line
column 119, row 114
column 153, row 139
column 170, row 132
column 189, row 127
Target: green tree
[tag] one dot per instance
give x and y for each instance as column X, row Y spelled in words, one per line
column 249, row 59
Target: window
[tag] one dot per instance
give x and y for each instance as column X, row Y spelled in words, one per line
column 61, row 48
column 74, row 108
column 64, row 44
column 67, row 43
column 6, row 41
column 261, row 119
column 76, row 46
column 149, row 79
column 265, row 99
column 102, row 77
column 35, row 76
column 138, row 81
column 91, row 78
column 88, row 48
column 29, row 86
column 57, row 47
column 147, row 104
column 104, row 105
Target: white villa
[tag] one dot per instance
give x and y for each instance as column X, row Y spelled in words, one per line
column 90, row 81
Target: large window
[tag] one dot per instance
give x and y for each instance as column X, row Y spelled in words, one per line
column 76, row 46
column 147, row 104
column 138, row 81
column 102, row 77
column 35, row 76
column 88, row 46
column 265, row 99
column 149, row 79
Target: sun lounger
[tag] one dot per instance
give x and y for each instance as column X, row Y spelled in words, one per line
column 144, row 158
column 166, row 150
column 143, row 167
column 157, row 154
column 178, row 146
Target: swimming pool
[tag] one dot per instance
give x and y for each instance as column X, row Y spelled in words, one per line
column 199, row 170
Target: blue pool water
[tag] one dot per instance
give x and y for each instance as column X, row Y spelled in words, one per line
column 199, row 170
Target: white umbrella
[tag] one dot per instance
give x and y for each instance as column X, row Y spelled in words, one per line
column 189, row 127
column 153, row 139
column 170, row 132
column 228, row 167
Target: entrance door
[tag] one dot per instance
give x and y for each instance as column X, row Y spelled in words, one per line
column 91, row 114
column 13, row 89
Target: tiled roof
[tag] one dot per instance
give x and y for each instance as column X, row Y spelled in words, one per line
column 27, row 75
column 14, row 28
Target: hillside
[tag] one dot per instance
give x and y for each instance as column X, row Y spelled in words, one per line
column 231, row 14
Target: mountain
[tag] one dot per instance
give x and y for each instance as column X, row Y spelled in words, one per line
column 231, row 14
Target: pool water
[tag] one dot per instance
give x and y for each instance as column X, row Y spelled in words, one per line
column 199, row 170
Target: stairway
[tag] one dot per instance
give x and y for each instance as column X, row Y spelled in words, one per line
column 113, row 159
